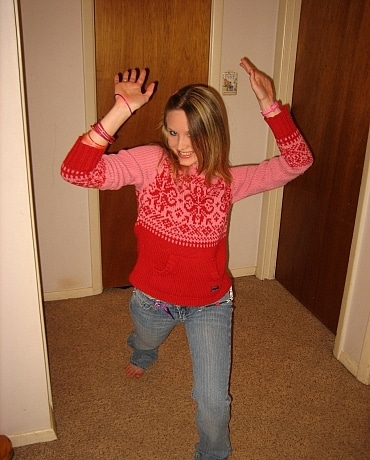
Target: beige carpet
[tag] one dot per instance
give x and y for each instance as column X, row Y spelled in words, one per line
column 291, row 398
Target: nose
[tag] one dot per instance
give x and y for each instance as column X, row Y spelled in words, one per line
column 184, row 143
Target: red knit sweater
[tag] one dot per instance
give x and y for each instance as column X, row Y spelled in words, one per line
column 182, row 224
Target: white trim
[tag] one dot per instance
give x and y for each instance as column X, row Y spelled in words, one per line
column 245, row 271
column 34, row 437
column 17, row 412
column 70, row 294
column 37, row 436
column 363, row 371
column 25, row 122
column 360, row 370
column 348, row 363
column 215, row 46
column 285, row 55
column 88, row 43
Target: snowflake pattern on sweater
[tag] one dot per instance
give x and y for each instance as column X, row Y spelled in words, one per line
column 182, row 222
column 295, row 150
column 184, row 211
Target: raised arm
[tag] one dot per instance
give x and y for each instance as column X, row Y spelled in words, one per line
column 84, row 165
column 129, row 96
column 295, row 157
column 262, row 87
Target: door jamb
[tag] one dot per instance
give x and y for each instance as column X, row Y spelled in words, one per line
column 215, row 49
column 360, row 369
column 285, row 56
column 89, row 72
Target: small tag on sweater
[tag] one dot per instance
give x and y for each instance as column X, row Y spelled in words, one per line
column 215, row 288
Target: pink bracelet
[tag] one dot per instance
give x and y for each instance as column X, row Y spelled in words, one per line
column 99, row 129
column 128, row 105
column 272, row 108
column 92, row 143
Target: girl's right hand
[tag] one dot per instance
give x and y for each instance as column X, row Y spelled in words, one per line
column 129, row 86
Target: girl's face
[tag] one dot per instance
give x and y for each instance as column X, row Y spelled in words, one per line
column 178, row 137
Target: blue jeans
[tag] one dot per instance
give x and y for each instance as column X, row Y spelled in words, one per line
column 208, row 330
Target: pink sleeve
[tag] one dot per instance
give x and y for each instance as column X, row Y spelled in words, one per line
column 89, row 167
column 295, row 159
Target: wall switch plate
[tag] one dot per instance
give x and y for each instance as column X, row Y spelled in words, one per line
column 230, row 83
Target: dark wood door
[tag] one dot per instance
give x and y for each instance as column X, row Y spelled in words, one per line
column 171, row 38
column 331, row 106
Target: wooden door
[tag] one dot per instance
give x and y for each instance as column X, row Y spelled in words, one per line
column 331, row 105
column 171, row 39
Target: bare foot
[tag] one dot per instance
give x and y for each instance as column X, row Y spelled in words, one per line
column 134, row 371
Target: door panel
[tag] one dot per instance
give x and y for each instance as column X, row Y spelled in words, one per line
column 171, row 39
column 331, row 106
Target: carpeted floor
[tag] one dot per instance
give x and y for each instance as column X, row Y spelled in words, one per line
column 292, row 399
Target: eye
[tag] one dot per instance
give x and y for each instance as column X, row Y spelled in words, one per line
column 172, row 133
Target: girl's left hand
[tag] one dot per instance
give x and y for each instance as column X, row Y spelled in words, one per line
column 261, row 84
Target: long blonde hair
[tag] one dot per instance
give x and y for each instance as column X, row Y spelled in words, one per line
column 208, row 129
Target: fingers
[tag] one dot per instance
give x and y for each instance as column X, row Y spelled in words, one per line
column 150, row 90
column 129, row 75
column 142, row 76
column 247, row 65
column 132, row 76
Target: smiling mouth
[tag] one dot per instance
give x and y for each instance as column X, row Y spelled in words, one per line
column 185, row 155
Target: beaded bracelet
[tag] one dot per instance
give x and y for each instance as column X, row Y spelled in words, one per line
column 92, row 143
column 99, row 129
column 128, row 105
column 272, row 108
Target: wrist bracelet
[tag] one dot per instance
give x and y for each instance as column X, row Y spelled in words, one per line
column 94, row 144
column 128, row 105
column 99, row 129
column 272, row 108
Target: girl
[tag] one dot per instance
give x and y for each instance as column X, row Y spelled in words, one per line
column 185, row 188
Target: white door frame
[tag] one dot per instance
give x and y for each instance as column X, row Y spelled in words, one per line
column 285, row 55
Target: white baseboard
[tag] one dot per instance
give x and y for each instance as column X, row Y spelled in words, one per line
column 33, row 437
column 71, row 293
column 244, row 271
column 348, row 363
column 354, row 368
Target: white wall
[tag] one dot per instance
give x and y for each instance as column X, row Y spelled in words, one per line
column 249, row 29
column 53, row 50
column 25, row 399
